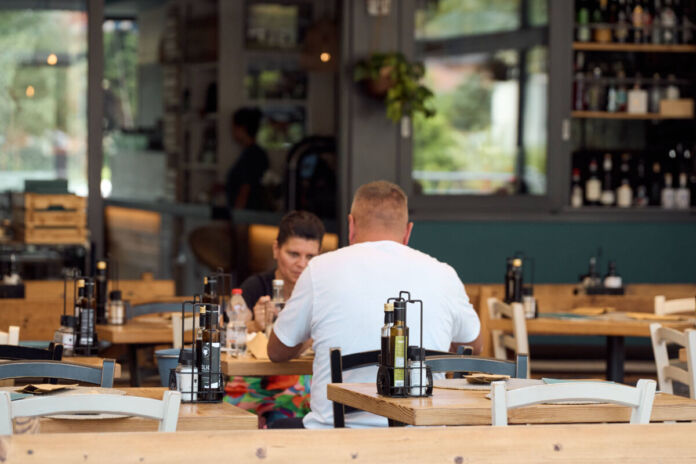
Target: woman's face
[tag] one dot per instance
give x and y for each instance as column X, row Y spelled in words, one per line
column 293, row 256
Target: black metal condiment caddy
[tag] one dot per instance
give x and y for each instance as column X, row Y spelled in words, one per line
column 385, row 372
column 202, row 394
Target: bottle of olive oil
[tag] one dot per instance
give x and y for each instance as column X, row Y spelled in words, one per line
column 210, row 355
column 386, row 329
column 398, row 349
column 101, row 283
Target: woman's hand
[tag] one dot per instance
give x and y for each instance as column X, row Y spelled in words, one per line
column 261, row 310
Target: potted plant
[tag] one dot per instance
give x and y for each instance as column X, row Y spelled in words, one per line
column 390, row 76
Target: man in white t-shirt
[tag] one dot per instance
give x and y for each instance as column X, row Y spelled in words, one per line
column 338, row 301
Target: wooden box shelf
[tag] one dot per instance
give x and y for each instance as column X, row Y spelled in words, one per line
column 49, row 219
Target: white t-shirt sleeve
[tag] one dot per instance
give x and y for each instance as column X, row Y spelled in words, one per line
column 293, row 325
column 466, row 325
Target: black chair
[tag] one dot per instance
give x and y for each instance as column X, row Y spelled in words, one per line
column 349, row 362
column 14, row 352
column 103, row 376
column 516, row 368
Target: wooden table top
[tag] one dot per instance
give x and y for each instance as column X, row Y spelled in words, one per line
column 615, row 324
column 471, row 407
column 249, row 365
column 591, row 443
column 136, row 332
column 192, row 417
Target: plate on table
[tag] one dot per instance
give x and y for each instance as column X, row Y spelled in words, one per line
column 460, row 384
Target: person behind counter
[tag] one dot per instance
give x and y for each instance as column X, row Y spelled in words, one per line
column 300, row 234
column 243, row 183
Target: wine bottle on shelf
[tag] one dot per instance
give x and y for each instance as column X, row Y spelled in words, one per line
column 637, row 21
column 655, row 94
column 668, row 20
column 668, row 198
column 593, row 187
column 637, row 99
column 595, row 92
column 624, row 194
column 641, row 198
column 656, row 185
column 682, row 197
column 657, row 24
column 687, row 26
column 621, row 92
column 612, row 97
column 647, row 22
column 600, row 20
column 672, row 90
column 622, row 23
column 583, row 19
column 576, row 193
column 579, row 96
column 607, row 197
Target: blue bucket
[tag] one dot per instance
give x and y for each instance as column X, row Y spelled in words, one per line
column 166, row 361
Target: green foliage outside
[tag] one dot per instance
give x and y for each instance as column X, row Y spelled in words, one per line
column 31, row 124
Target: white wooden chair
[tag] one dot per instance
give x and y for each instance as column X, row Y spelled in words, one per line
column 666, row 371
column 664, row 306
column 518, row 341
column 177, row 341
column 165, row 410
column 640, row 397
column 11, row 337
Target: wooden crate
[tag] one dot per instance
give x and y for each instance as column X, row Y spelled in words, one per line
column 52, row 235
column 42, row 201
column 49, row 219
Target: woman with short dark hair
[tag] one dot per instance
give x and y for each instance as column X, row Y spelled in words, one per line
column 276, row 397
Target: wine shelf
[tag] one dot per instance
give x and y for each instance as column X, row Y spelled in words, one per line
column 631, row 47
column 607, row 115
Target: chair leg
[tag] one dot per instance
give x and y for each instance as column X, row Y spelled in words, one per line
column 133, row 365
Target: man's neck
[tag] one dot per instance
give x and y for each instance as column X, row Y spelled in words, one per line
column 375, row 238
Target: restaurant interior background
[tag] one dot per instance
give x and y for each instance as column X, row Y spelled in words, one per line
column 131, row 101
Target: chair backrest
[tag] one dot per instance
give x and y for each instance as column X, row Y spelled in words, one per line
column 517, row 369
column 165, row 410
column 177, row 341
column 152, row 308
column 339, row 364
column 680, row 305
column 667, row 372
column 640, row 397
column 103, row 376
column 518, row 341
column 53, row 353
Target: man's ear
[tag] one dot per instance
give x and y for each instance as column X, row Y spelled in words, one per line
column 407, row 235
column 351, row 229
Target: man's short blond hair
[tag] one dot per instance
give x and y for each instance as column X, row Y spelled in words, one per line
column 380, row 205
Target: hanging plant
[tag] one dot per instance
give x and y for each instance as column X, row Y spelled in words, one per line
column 390, row 76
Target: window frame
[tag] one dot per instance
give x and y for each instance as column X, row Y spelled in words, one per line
column 557, row 36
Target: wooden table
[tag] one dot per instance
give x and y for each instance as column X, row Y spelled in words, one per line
column 192, row 416
column 471, row 407
column 614, row 326
column 591, row 443
column 136, row 334
column 249, row 365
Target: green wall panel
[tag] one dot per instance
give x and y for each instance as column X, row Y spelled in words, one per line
column 644, row 252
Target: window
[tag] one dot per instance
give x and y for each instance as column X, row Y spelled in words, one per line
column 486, row 61
column 43, row 93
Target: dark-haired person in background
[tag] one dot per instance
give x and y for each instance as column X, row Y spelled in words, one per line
column 243, row 183
column 277, row 397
